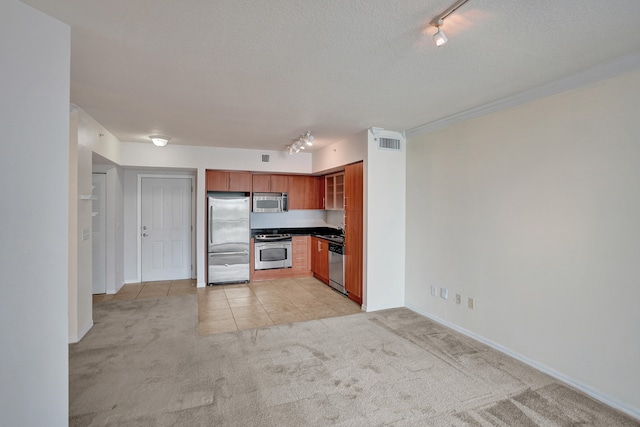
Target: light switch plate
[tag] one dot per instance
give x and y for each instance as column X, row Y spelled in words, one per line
column 444, row 293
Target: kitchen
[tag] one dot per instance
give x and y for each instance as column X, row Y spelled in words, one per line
column 301, row 225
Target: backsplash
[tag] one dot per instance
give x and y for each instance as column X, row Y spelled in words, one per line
column 291, row 219
column 335, row 219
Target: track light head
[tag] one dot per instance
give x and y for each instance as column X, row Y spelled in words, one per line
column 308, row 138
column 439, row 38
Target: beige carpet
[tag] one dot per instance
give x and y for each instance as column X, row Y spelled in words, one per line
column 143, row 364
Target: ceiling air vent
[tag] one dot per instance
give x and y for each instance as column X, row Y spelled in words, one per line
column 388, row 144
column 265, row 158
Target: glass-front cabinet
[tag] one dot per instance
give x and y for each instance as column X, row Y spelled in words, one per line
column 334, row 192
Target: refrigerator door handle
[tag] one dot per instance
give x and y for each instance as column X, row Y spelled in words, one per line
column 245, row 252
column 210, row 225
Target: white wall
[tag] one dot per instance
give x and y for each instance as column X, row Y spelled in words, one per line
column 114, row 224
column 533, row 211
column 130, row 216
column 34, row 156
column 73, row 227
column 83, row 291
column 349, row 150
column 384, row 224
column 184, row 157
column 384, row 213
column 136, row 154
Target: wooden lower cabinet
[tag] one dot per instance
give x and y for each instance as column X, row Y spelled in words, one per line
column 301, row 248
column 320, row 259
column 300, row 262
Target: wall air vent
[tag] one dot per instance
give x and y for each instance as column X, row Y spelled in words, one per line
column 388, row 144
column 265, row 158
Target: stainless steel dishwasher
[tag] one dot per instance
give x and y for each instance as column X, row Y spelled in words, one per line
column 336, row 267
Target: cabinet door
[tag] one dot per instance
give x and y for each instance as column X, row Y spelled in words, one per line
column 217, row 180
column 353, row 255
column 353, row 229
column 353, row 187
column 301, row 246
column 319, row 193
column 320, row 259
column 296, row 192
column 335, row 191
column 323, row 262
column 240, row 181
column 261, row 183
column 279, row 183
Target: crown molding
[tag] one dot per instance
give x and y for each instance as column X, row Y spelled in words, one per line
column 599, row 72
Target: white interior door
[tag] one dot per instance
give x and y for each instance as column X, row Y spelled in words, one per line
column 165, row 219
column 99, row 234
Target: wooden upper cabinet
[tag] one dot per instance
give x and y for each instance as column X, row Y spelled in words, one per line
column 320, row 192
column 334, row 193
column 353, row 187
column 304, row 192
column 267, row 183
column 261, row 183
column 240, row 181
column 228, row 181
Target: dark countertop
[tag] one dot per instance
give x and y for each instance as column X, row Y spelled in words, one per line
column 298, row 231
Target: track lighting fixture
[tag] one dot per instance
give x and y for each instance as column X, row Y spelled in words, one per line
column 439, row 38
column 308, row 138
column 305, row 140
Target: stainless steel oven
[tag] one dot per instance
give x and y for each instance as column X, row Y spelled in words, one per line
column 272, row 251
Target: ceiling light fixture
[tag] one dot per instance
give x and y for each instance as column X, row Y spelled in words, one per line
column 439, row 38
column 159, row 140
column 305, row 140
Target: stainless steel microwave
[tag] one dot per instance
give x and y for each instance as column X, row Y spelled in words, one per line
column 270, row 202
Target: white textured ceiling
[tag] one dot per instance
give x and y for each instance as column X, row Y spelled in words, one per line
column 256, row 74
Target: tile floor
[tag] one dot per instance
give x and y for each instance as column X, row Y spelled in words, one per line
column 150, row 290
column 226, row 308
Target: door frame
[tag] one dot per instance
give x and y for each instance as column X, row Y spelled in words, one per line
column 102, row 216
column 194, row 259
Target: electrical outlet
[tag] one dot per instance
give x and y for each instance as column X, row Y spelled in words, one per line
column 471, row 303
column 458, row 299
column 444, row 293
column 434, row 291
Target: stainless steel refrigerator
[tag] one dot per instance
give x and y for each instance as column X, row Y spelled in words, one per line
column 228, row 237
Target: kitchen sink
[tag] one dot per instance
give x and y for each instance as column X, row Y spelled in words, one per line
column 335, row 238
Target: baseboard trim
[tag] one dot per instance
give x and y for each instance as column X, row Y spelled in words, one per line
column 201, row 285
column 83, row 332
column 607, row 400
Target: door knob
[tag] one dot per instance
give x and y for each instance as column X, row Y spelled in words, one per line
column 144, row 235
